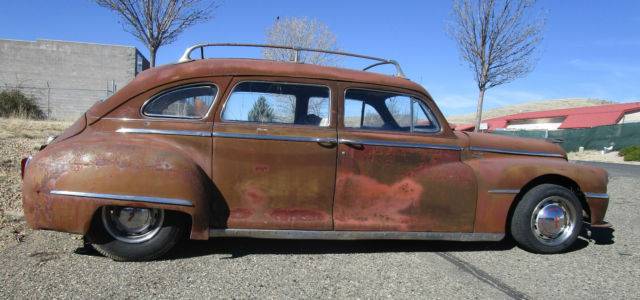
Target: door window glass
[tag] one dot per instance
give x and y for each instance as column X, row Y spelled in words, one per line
column 191, row 102
column 422, row 118
column 358, row 114
column 270, row 102
column 379, row 110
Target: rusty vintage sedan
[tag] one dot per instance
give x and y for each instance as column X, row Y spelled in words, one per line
column 265, row 149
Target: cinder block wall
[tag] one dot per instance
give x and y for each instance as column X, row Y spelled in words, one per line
column 77, row 74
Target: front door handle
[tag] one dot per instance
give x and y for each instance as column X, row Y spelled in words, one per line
column 327, row 143
column 352, row 144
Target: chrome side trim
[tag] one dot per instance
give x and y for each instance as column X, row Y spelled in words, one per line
column 596, row 195
column 504, row 191
column 354, row 235
column 170, row 201
column 165, row 132
column 516, row 152
column 273, row 137
column 399, row 144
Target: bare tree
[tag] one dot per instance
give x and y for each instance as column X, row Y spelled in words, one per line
column 159, row 22
column 301, row 32
column 498, row 39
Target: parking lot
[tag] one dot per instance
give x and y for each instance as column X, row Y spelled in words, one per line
column 50, row 264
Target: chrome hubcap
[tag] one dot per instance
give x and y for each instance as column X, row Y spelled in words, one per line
column 132, row 224
column 553, row 220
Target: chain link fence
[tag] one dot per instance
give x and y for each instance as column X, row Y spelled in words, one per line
column 596, row 138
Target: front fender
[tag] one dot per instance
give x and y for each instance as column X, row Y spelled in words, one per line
column 501, row 177
column 67, row 182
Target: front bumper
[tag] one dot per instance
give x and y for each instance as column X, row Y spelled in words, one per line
column 598, row 204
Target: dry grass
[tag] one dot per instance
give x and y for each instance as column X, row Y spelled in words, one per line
column 18, row 138
column 526, row 107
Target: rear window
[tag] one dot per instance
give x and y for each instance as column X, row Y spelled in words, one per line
column 285, row 103
column 189, row 102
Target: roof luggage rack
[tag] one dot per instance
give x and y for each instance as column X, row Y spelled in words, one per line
column 380, row 61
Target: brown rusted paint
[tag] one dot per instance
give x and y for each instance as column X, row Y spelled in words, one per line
column 269, row 184
column 113, row 164
column 403, row 189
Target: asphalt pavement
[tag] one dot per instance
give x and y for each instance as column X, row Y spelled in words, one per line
column 606, row 265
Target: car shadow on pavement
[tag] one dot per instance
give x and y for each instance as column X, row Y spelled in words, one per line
column 601, row 236
column 240, row 247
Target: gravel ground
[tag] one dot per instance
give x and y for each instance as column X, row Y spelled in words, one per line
column 18, row 139
column 593, row 155
column 42, row 264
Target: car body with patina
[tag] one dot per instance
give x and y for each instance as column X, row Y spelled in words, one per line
column 265, row 149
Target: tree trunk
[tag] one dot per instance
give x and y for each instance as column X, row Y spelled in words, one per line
column 152, row 56
column 479, row 110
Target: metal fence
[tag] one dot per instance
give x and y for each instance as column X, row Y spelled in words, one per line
column 596, row 138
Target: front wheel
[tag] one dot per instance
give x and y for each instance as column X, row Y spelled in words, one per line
column 133, row 233
column 548, row 219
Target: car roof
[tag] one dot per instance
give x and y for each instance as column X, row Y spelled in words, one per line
column 261, row 67
column 154, row 77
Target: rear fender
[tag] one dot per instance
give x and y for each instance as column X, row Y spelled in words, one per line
column 67, row 182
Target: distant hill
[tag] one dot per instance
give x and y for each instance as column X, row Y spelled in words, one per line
column 526, row 107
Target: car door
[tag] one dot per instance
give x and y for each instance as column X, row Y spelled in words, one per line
column 274, row 153
column 399, row 165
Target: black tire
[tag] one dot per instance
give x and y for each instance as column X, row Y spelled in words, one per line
column 170, row 232
column 524, row 228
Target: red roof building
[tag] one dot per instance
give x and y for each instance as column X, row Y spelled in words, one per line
column 579, row 117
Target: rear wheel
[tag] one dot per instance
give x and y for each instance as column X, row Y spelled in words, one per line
column 133, row 233
column 548, row 219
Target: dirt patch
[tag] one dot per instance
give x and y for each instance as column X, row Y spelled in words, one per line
column 593, row 155
column 18, row 138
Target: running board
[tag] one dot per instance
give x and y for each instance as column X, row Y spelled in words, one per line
column 355, row 235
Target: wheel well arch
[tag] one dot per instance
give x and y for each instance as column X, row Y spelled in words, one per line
column 556, row 179
column 95, row 222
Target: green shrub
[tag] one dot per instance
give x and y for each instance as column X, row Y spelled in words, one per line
column 14, row 103
column 632, row 156
column 624, row 151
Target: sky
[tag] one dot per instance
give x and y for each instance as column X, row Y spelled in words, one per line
column 591, row 49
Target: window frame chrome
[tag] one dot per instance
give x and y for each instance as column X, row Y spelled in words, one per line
column 226, row 101
column 172, row 89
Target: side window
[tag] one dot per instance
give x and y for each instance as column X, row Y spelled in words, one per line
column 379, row 110
column 400, row 109
column 358, row 114
column 270, row 102
column 423, row 120
column 189, row 102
